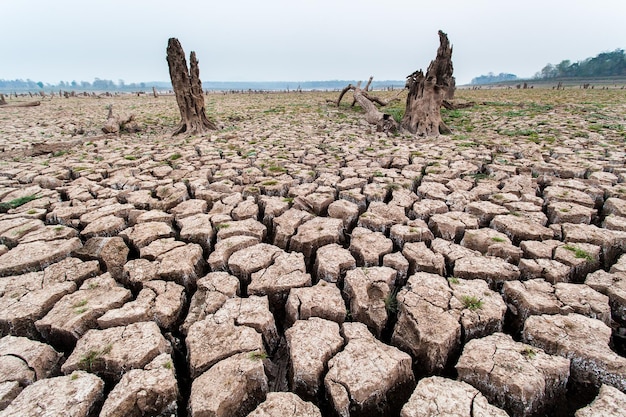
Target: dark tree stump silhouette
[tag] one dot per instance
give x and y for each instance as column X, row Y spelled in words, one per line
column 422, row 115
column 188, row 90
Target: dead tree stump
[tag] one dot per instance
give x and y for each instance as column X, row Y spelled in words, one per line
column 422, row 115
column 188, row 90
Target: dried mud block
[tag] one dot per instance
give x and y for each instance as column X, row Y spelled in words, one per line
column 485, row 211
column 426, row 327
column 232, row 388
column 345, row 210
column 481, row 311
column 159, row 247
column 35, row 256
column 112, row 352
column 75, row 395
column 332, row 262
column 12, row 231
column 414, row 231
column 553, row 194
column 183, row 265
column 321, row 300
column 253, row 312
column 452, row 225
column 548, row 269
column 379, row 217
column 585, row 341
column 495, row 271
column 160, row 301
column 140, row 392
column 437, row 396
column 612, row 285
column 197, row 228
column 482, row 239
column 422, row 259
column 22, row 362
column 139, row 271
column 218, row 259
column 535, row 249
column 582, row 258
column 114, row 209
column 286, row 225
column 142, row 234
column 609, row 403
column 24, row 299
column 76, row 313
column 279, row 404
column 248, row 227
column 249, row 260
column 216, row 338
column 398, row 262
column 521, row 379
column 111, row 252
column 615, row 206
column 287, row 272
column 189, row 208
column 311, row 344
column 212, row 292
column 430, row 190
column 104, row 226
column 451, row 251
column 537, row 297
column 369, row 293
column 426, row 208
column 315, row 233
column 568, row 212
column 519, row 228
column 368, row 377
column 586, row 233
column 368, row 248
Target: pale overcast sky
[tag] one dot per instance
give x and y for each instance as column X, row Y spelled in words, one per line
column 298, row 40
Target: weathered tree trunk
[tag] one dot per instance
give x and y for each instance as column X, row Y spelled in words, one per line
column 422, row 115
column 3, row 102
column 154, row 92
column 115, row 124
column 188, row 90
column 384, row 122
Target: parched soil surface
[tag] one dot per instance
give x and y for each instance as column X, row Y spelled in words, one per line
column 297, row 261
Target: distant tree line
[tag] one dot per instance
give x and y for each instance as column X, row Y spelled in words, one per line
column 493, row 78
column 97, row 85
column 605, row 64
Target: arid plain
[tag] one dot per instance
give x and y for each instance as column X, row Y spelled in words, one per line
column 296, row 250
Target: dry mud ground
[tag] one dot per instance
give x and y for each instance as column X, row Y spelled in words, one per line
column 297, row 250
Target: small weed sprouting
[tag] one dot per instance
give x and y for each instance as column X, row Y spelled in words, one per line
column 15, row 203
column 391, row 301
column 257, row 355
column 472, row 303
column 168, row 365
column 498, row 239
column 88, row 360
column 453, row 280
column 175, row 156
column 579, row 253
column 529, row 352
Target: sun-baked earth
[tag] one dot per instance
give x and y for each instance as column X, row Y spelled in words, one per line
column 297, row 262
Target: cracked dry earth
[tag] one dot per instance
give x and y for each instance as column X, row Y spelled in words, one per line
column 296, row 262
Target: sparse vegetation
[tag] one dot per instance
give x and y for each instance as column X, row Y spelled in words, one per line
column 472, row 303
column 578, row 252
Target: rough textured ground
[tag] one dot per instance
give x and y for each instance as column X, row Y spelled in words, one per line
column 197, row 275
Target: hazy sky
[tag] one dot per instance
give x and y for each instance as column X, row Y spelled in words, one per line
column 298, row 40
